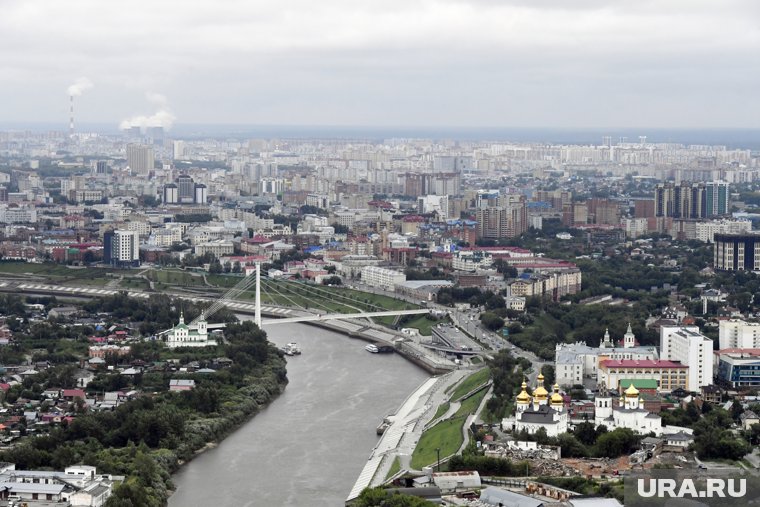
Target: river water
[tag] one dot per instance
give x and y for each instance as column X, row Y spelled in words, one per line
column 309, row 445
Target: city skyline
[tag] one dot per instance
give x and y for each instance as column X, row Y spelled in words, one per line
column 468, row 64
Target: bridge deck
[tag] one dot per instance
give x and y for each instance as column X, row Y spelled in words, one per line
column 342, row 316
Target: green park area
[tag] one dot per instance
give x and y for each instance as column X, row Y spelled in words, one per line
column 478, row 378
column 448, row 434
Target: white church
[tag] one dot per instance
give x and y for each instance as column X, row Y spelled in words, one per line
column 195, row 334
column 540, row 410
column 626, row 412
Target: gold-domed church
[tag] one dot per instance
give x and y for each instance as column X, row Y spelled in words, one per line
column 540, row 410
column 627, row 412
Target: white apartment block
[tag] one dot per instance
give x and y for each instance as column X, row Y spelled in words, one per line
column 217, row 248
column 125, row 246
column 346, row 218
column 471, row 261
column 142, row 228
column 687, row 345
column 165, row 237
column 18, row 215
column 635, row 227
column 738, row 334
column 706, row 231
column 384, row 278
column 434, row 204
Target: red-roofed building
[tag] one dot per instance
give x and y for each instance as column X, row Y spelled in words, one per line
column 669, row 375
column 73, row 394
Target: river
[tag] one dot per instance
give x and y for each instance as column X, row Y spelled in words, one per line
column 309, row 445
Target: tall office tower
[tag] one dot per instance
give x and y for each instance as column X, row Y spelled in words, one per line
column 140, row 158
column 101, row 167
column 716, row 197
column 186, row 187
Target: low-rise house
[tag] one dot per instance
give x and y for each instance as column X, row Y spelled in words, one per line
column 677, row 442
column 456, row 481
column 73, row 394
column 748, row 418
column 181, row 385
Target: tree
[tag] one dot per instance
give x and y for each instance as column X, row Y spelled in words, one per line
column 548, row 372
column 492, row 321
column 616, row 443
column 379, row 497
column 736, row 410
column 571, row 447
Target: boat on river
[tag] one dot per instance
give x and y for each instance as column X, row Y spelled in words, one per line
column 291, row 349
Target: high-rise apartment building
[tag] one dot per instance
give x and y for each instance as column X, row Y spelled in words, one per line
column 122, row 248
column 691, row 200
column 508, row 220
column 716, row 196
column 687, row 345
column 140, row 158
column 738, row 334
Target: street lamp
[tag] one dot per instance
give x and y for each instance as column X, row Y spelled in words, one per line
column 438, row 463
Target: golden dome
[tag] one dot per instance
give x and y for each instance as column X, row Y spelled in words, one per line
column 541, row 378
column 631, row 392
column 540, row 393
column 557, row 399
column 523, row 397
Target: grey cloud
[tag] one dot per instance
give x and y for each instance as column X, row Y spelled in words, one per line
column 507, row 62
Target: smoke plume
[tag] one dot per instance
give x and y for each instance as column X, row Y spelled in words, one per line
column 163, row 117
column 79, row 86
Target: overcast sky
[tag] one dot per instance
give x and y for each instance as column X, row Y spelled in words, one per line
column 552, row 63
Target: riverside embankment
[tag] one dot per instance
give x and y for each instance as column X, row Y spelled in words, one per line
column 306, row 447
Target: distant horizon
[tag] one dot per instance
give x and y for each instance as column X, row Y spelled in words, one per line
column 734, row 137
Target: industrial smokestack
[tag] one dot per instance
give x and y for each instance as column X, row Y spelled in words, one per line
column 75, row 90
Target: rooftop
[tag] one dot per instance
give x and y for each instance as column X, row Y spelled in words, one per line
column 641, row 363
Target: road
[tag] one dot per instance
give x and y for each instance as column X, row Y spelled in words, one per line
column 468, row 320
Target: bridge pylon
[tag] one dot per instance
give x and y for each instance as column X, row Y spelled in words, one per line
column 257, row 315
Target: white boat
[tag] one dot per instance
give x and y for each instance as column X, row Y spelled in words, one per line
column 291, row 349
column 372, row 348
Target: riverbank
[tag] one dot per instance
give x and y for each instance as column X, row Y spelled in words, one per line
column 308, row 446
column 147, row 438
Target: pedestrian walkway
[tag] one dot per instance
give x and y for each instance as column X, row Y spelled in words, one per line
column 406, row 428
